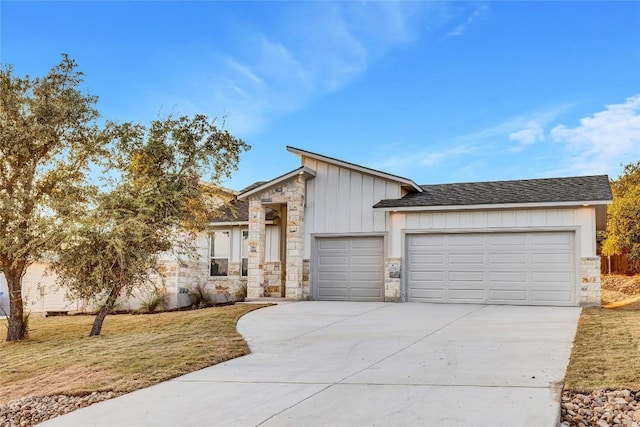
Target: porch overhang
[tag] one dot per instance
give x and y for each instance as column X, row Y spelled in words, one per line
column 302, row 170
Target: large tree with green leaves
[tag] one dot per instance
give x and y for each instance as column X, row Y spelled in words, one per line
column 623, row 216
column 156, row 205
column 48, row 137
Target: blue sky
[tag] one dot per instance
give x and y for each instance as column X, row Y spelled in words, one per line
column 433, row 91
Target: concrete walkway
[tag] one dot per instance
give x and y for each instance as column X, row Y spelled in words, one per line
column 365, row 364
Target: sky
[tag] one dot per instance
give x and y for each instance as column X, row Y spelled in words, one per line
column 437, row 92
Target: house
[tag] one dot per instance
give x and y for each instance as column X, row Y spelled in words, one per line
column 334, row 230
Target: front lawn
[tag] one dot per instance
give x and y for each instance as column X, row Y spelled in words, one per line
column 606, row 351
column 133, row 351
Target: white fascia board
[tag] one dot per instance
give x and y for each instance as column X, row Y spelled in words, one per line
column 495, row 206
column 302, row 170
column 353, row 166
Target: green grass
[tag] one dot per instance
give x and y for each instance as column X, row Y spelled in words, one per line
column 133, row 351
column 606, row 351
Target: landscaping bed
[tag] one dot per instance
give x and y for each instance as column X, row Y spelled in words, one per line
column 602, row 385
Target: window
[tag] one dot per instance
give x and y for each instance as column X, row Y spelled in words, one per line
column 244, row 268
column 220, row 250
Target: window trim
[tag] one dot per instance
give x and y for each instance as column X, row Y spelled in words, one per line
column 212, row 257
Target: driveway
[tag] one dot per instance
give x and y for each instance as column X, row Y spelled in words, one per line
column 366, row 364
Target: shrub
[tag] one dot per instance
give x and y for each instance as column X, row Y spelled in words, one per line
column 156, row 302
column 200, row 297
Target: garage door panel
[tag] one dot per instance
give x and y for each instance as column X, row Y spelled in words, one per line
column 374, row 244
column 500, row 241
column 508, row 276
column 366, row 260
column 426, row 276
column 333, row 244
column 333, row 293
column 333, row 276
column 552, row 240
column 532, row 268
column 427, row 240
column 427, row 259
column 349, row 268
column 333, row 260
column 466, row 276
column 466, row 240
column 508, row 296
column 466, row 259
column 545, row 259
column 428, row 294
column 555, row 277
column 466, row 295
column 372, row 277
column 508, row 258
column 550, row 296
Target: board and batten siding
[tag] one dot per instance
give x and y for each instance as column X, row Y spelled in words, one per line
column 340, row 201
column 582, row 217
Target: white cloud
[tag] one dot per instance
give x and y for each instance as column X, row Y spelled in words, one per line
column 313, row 49
column 461, row 28
column 533, row 132
column 419, row 157
column 605, row 139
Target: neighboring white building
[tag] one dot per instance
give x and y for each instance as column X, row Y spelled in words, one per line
column 334, row 230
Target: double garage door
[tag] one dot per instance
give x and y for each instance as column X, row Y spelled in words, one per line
column 536, row 268
column 521, row 268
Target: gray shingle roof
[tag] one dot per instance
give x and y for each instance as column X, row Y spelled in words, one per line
column 238, row 211
column 573, row 189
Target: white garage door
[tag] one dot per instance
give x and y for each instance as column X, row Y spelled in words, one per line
column 349, row 269
column 536, row 268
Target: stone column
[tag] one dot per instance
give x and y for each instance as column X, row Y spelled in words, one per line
column 590, row 278
column 255, row 273
column 294, row 239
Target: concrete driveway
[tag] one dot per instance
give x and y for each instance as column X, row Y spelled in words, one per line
column 365, row 364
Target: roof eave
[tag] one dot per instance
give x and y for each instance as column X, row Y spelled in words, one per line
column 532, row 205
column 405, row 182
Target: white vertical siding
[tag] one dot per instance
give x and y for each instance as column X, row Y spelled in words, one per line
column 340, row 200
column 583, row 217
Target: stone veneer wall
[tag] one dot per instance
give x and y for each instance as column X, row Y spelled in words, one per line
column 590, row 278
column 294, row 194
column 306, row 283
column 180, row 278
column 272, row 278
column 392, row 274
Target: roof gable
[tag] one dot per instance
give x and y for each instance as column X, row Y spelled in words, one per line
column 582, row 190
column 404, row 182
column 263, row 185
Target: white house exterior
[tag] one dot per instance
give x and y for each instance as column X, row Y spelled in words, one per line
column 354, row 233
column 334, row 230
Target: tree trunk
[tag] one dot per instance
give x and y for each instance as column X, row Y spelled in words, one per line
column 104, row 310
column 17, row 329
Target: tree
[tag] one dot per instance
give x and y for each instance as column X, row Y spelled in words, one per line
column 157, row 202
column 623, row 216
column 48, row 137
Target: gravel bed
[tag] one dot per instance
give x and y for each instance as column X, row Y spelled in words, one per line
column 33, row 410
column 603, row 408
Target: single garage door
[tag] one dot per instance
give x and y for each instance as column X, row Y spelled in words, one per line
column 349, row 269
column 536, row 268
